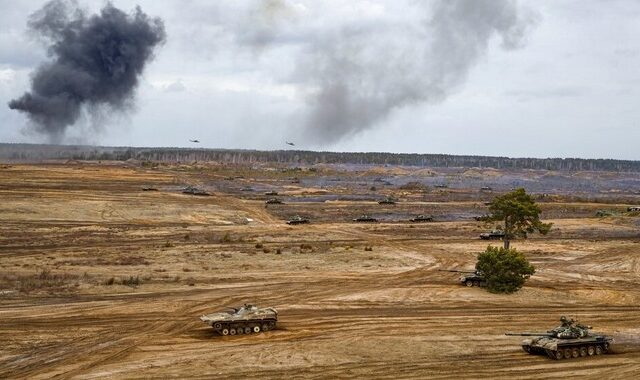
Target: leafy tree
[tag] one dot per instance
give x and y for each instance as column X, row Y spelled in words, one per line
column 505, row 270
column 519, row 213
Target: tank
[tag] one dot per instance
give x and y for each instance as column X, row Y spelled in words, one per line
column 247, row 319
column 274, row 201
column 194, row 191
column 422, row 218
column 570, row 340
column 298, row 220
column 365, row 219
column 387, row 201
column 492, row 235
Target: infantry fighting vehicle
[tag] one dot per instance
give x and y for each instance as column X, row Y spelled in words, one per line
column 297, row 220
column 492, row 235
column 244, row 320
column 422, row 218
column 387, row 201
column 570, row 340
column 194, row 191
column 469, row 278
column 274, row 201
column 365, row 219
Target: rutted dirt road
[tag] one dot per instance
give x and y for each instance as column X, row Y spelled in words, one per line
column 101, row 280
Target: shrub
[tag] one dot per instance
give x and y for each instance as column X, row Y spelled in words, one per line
column 505, row 270
column 258, row 245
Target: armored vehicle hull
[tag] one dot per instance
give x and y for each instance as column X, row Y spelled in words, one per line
column 248, row 319
column 559, row 349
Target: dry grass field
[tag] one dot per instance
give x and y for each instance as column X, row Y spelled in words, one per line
column 99, row 279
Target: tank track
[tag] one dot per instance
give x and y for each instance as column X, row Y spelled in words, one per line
column 570, row 352
column 244, row 327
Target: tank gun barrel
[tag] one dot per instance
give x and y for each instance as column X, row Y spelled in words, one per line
column 530, row 334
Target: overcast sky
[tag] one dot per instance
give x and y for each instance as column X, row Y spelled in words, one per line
column 555, row 78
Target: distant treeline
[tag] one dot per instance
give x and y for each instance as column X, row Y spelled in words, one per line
column 32, row 152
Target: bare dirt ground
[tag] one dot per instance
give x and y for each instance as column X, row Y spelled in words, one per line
column 99, row 279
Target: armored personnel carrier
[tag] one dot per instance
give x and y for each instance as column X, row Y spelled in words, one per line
column 492, row 235
column 469, row 278
column 297, row 220
column 365, row 219
column 387, row 201
column 244, row 320
column 422, row 218
column 570, row 340
column 274, row 201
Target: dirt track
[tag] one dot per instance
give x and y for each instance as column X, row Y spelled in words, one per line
column 344, row 312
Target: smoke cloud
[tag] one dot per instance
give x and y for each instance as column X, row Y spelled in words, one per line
column 96, row 63
column 356, row 73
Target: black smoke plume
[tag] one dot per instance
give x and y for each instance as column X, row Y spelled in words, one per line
column 96, row 62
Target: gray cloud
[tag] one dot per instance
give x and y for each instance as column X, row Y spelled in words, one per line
column 354, row 76
column 96, row 62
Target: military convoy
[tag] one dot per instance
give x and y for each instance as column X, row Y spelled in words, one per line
column 570, row 340
column 244, row 320
column 492, row 235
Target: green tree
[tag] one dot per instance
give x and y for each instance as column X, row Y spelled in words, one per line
column 504, row 270
column 519, row 213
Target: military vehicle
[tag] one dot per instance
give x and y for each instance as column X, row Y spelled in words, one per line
column 422, row 218
column 274, row 201
column 441, row 186
column 194, row 191
column 364, row 218
column 387, row 201
column 492, row 235
column 570, row 340
column 271, row 193
column 297, row 220
column 486, row 188
column 149, row 188
column 469, row 278
column 244, row 320
column 247, row 188
column 635, row 208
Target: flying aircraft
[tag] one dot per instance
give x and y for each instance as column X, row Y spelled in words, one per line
column 290, row 143
column 195, row 141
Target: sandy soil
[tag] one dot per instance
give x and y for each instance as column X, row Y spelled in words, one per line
column 99, row 279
